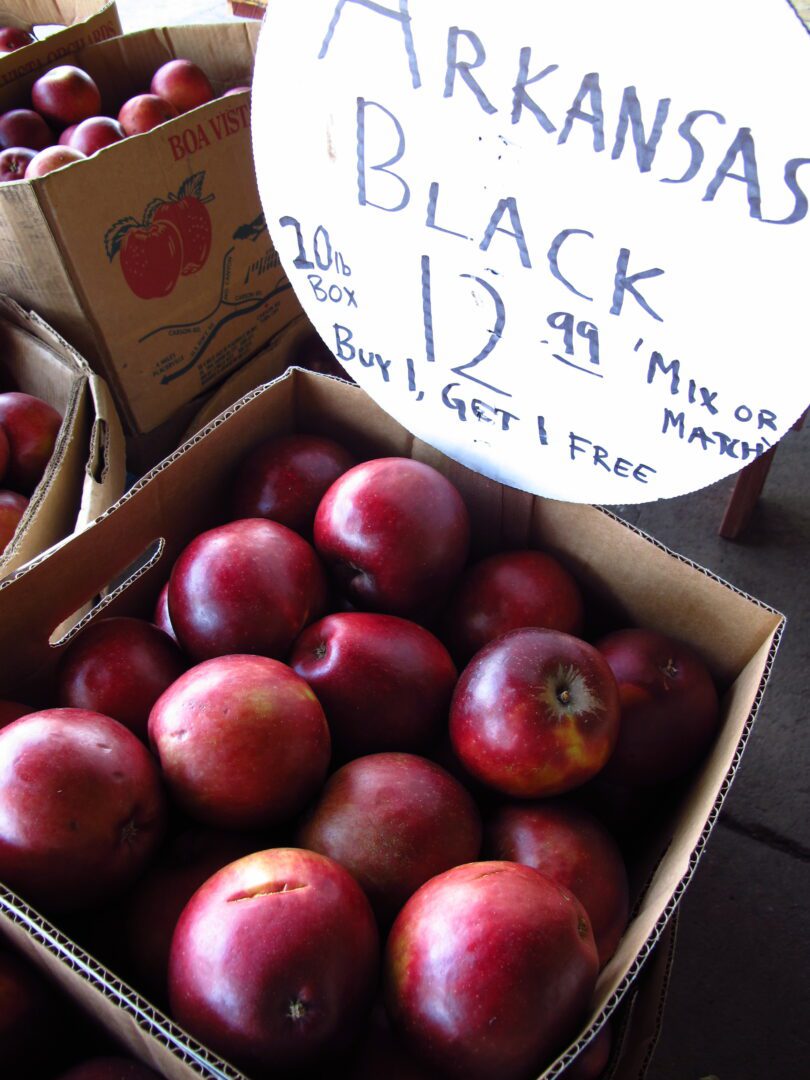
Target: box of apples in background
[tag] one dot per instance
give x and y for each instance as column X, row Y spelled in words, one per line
column 446, row 748
column 36, row 34
column 152, row 257
column 61, row 444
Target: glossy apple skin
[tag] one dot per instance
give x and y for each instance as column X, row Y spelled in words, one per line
column 157, row 899
column 161, row 617
column 242, row 741
column 670, row 711
column 12, row 508
column 507, row 591
column 24, row 127
column 274, row 961
column 143, row 112
column 514, row 954
column 535, row 713
column 573, row 848
column 14, row 37
column 66, row 95
column 385, row 683
column 394, row 533
column 81, row 806
column 285, row 478
column 250, row 586
column 110, row 1068
column 119, row 667
column 95, row 133
column 14, row 161
column 182, row 83
column 31, row 427
column 50, row 159
column 393, row 821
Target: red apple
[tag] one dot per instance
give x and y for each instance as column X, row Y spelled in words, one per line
column 50, row 159
column 81, row 806
column 14, row 37
column 242, row 741
column 182, row 83
column 394, row 821
column 489, row 968
column 144, row 112
column 161, row 618
column 508, row 591
column 573, row 848
column 285, row 478
column 669, row 707
column 29, row 1005
column 591, row 1062
column 24, row 128
column 385, row 683
column 381, row 1055
column 395, row 534
column 95, row 133
column 32, row 426
column 157, row 900
column 12, row 508
column 250, row 586
column 274, row 961
column 65, row 137
column 110, row 1068
column 66, row 95
column 535, row 713
column 14, row 161
column 119, row 667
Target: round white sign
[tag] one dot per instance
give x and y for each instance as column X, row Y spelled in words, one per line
column 565, row 243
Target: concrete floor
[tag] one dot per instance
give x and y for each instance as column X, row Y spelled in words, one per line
column 739, row 1000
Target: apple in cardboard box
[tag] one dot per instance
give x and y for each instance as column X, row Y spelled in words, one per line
column 183, row 83
column 514, row 954
column 274, row 960
column 12, row 508
column 66, row 95
column 14, row 161
column 31, row 426
column 143, row 112
column 93, row 134
column 26, row 128
column 393, row 821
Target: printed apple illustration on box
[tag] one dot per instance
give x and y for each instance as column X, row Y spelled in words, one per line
column 172, row 240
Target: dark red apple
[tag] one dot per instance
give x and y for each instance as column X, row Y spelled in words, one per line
column 161, row 618
column 29, row 1005
column 14, row 37
column 119, row 667
column 95, row 133
column 394, row 821
column 26, row 128
column 591, row 1062
column 183, row 83
column 489, row 968
column 508, row 591
column 14, row 161
column 395, row 534
column 81, row 805
column 285, row 478
column 156, row 901
column 669, row 707
column 250, row 586
column 66, row 95
column 535, row 713
column 573, row 848
column 32, row 426
column 144, row 112
column 314, row 354
column 65, row 137
column 242, row 741
column 385, row 683
column 50, row 159
column 380, row 1054
column 274, row 961
column 12, row 508
column 110, row 1068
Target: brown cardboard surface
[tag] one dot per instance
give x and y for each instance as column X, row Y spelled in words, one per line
column 86, row 473
column 159, row 337
column 137, row 541
column 85, row 22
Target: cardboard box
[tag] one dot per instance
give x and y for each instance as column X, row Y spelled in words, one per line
column 97, row 247
column 638, row 580
column 85, row 22
column 86, row 473
column 249, row 9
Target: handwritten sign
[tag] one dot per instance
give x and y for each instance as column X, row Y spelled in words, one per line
column 565, row 243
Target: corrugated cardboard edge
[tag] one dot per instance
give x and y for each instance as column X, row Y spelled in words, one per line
column 768, row 643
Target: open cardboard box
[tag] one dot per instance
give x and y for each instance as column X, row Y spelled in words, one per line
column 84, row 22
column 86, row 473
column 621, row 570
column 161, row 337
